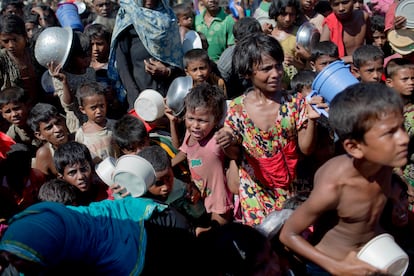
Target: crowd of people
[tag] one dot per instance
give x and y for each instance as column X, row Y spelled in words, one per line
column 218, row 175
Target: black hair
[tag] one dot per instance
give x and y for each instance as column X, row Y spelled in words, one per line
column 394, row 65
column 41, row 113
column 353, row 111
column 95, row 31
column 366, row 53
column 13, row 95
column 58, row 190
column 12, row 24
column 249, row 51
column 158, row 157
column 377, row 23
column 278, row 7
column 323, row 48
column 89, row 89
column 129, row 133
column 301, row 79
column 182, row 9
column 81, row 46
column 71, row 153
column 246, row 26
column 323, row 7
column 208, row 96
column 196, row 54
column 18, row 161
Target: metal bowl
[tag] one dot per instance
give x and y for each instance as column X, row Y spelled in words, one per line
column 176, row 93
column 307, row 35
column 53, row 44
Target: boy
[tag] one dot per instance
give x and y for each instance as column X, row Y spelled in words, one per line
column 197, row 64
column 74, row 164
column 14, row 109
column 367, row 63
column 346, row 27
column 379, row 37
column 130, row 135
column 50, row 128
column 185, row 16
column 351, row 190
column 322, row 54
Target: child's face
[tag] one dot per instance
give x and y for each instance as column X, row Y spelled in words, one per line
column 321, row 62
column 307, row 5
column 342, row 8
column 100, row 50
column 186, row 20
column 379, row 39
column 199, row 122
column 15, row 113
column 14, row 44
column 386, row 142
column 371, row 71
column 163, row 184
column 358, row 4
column 78, row 175
column 54, row 131
column 94, row 107
column 286, row 19
column 267, row 76
column 29, row 28
column 102, row 7
column 199, row 70
column 402, row 81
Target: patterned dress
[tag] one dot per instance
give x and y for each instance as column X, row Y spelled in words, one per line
column 269, row 157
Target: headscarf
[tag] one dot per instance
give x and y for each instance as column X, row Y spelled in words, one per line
column 108, row 236
column 156, row 28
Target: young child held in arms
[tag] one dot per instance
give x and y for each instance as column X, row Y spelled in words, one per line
column 198, row 65
column 96, row 133
column 204, row 110
column 74, row 164
column 185, row 16
column 14, row 108
column 351, row 190
column 368, row 63
column 50, row 128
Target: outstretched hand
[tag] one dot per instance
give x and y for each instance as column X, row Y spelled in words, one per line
column 224, row 137
column 351, row 265
column 55, row 70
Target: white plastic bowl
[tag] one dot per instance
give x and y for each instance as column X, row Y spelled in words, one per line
column 384, row 253
column 149, row 105
column 134, row 173
column 105, row 169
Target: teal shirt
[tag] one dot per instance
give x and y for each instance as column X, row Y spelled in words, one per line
column 220, row 33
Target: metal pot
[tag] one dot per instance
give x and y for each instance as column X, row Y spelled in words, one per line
column 307, row 36
column 176, row 93
column 53, row 44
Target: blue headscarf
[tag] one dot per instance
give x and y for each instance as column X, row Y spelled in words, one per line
column 156, row 28
column 108, row 236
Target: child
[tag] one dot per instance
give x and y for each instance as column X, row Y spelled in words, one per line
column 322, row 54
column 346, row 27
column 68, row 77
column 130, row 135
column 198, row 65
column 96, row 133
column 17, row 66
column 268, row 125
column 351, row 190
column 302, row 82
column 50, row 128
column 58, row 190
column 368, row 63
column 204, row 110
column 14, row 109
column 74, row 164
column 399, row 75
column 185, row 16
column 379, row 37
column 100, row 40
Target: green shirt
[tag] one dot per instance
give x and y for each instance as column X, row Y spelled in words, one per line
column 220, row 33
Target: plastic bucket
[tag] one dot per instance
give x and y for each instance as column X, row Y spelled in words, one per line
column 382, row 252
column 332, row 80
column 149, row 105
column 67, row 14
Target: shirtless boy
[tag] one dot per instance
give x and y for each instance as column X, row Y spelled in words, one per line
column 346, row 27
column 350, row 190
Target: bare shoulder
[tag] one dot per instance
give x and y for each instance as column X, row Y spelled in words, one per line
column 334, row 170
column 43, row 152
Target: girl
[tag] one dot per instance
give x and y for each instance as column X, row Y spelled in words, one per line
column 95, row 133
column 205, row 107
column 269, row 125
